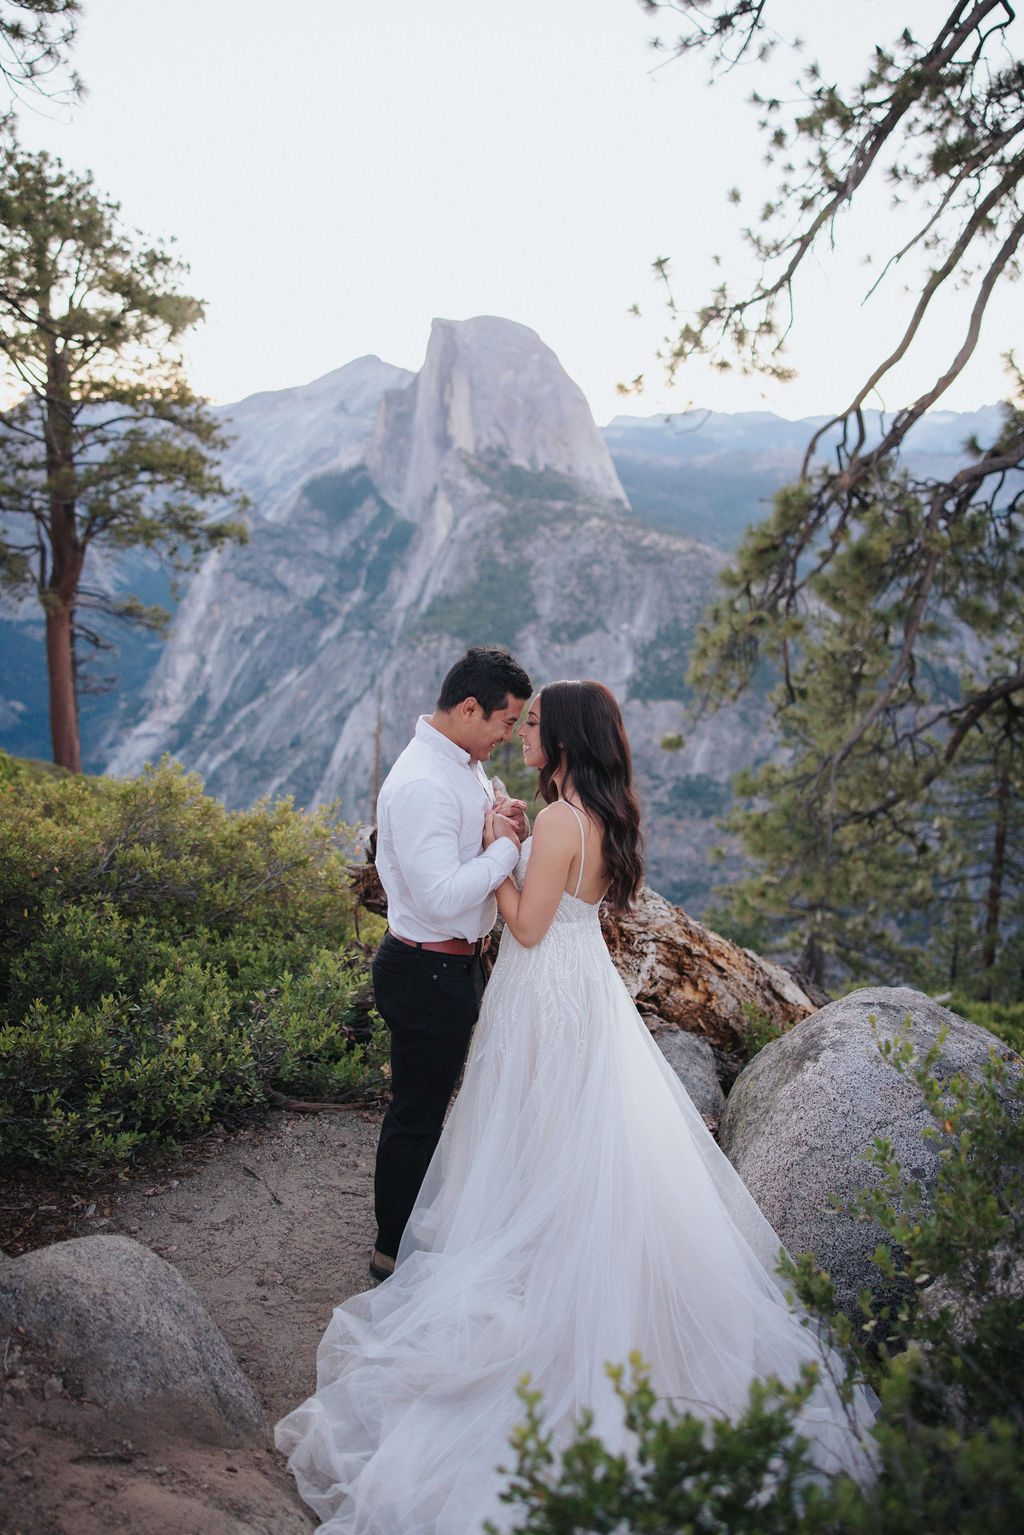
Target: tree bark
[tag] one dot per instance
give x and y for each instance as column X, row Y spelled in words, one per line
column 993, row 904
column 67, row 559
column 63, row 704
column 694, row 979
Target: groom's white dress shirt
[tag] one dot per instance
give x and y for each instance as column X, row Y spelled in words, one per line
column 438, row 879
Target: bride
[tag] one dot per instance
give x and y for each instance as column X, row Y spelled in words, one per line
column 576, row 1209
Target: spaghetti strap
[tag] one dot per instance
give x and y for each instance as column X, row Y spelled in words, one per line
column 583, row 844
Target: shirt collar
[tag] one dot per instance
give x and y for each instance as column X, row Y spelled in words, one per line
column 426, row 733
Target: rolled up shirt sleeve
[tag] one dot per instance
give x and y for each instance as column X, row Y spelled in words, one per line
column 425, row 828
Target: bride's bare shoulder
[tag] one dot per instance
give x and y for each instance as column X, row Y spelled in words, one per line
column 556, row 823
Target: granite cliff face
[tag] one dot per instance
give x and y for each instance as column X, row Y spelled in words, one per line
column 481, row 506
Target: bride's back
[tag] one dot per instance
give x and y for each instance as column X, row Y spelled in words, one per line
column 594, row 882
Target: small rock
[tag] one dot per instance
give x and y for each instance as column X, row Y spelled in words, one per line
column 693, row 1061
column 124, row 1329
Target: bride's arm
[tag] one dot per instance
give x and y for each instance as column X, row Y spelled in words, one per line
column 529, row 912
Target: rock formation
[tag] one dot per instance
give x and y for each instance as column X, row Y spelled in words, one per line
column 122, row 1329
column 802, row 1113
column 693, row 1061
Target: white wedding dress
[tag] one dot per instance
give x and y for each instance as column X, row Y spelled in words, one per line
column 576, row 1210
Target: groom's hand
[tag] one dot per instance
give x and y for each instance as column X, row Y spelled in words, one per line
column 513, row 810
column 496, row 826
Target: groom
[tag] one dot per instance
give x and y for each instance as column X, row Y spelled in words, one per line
column 427, row 977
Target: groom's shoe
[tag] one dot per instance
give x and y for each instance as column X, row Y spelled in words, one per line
column 381, row 1266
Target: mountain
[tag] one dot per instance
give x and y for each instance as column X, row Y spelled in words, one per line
column 482, row 506
column 277, row 439
column 711, row 475
column 397, row 518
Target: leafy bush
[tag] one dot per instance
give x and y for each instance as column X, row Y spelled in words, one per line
column 950, row 1433
column 1005, row 1019
column 759, row 1029
column 164, row 962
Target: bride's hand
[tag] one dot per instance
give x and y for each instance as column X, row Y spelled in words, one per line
column 498, row 826
column 515, row 811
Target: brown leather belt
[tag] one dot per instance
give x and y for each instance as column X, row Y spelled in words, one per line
column 446, row 946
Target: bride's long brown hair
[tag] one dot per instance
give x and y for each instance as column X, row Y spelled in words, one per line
column 581, row 729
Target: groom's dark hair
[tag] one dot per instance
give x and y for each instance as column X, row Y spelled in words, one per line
column 487, row 674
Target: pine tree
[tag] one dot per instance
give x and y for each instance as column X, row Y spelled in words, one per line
column 106, row 446
column 35, row 35
column 909, row 584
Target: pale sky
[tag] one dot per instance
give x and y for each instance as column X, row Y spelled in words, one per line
column 338, row 173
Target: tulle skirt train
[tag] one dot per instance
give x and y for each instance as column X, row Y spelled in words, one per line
column 577, row 1210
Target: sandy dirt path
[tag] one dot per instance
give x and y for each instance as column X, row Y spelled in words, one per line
column 272, row 1228
column 271, row 1233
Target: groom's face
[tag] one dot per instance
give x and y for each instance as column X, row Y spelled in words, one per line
column 483, row 732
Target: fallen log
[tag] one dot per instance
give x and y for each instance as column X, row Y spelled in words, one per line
column 693, row 978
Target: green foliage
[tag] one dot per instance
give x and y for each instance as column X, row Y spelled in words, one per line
column 515, row 483
column 662, row 667
column 493, row 608
column 339, row 494
column 935, row 120
column 698, row 794
column 163, row 962
column 759, row 1030
column 1004, row 1019
column 394, row 539
column 751, row 1478
column 957, row 1248
column 34, row 37
column 887, row 601
column 949, row 1371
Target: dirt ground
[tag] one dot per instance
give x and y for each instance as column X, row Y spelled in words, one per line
column 272, row 1228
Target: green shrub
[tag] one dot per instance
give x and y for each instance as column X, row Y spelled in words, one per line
column 1005, row 1019
column 950, row 1433
column 307, row 1032
column 165, row 961
column 759, row 1029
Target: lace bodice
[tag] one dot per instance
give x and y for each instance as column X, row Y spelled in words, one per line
column 570, row 910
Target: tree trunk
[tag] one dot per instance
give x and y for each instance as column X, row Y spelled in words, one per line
column 67, row 556
column 63, row 705
column 812, row 961
column 693, row 979
column 993, row 904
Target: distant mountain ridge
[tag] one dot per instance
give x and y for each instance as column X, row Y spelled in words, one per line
column 711, row 475
column 398, row 517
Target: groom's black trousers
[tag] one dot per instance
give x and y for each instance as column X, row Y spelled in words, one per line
column 430, row 1003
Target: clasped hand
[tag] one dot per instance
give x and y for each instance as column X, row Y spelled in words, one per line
column 513, row 810
column 496, row 826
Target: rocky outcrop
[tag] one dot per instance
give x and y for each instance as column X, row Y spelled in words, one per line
column 492, row 391
column 694, row 979
column 122, row 1329
column 802, row 1113
column 278, row 439
column 693, row 1061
